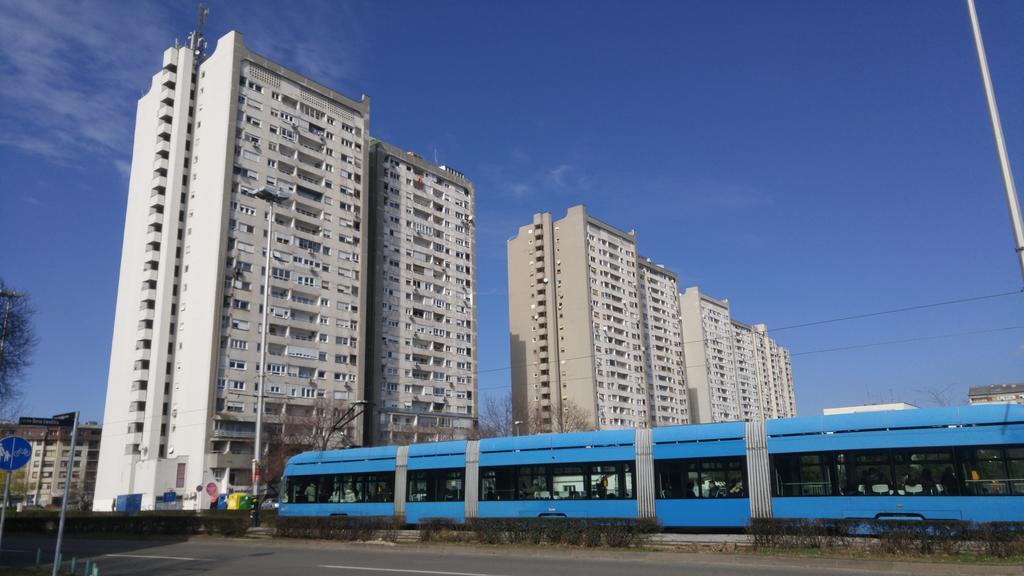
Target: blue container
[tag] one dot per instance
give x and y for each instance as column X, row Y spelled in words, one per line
column 128, row 503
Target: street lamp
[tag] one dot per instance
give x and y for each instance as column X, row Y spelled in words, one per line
column 272, row 196
column 515, row 427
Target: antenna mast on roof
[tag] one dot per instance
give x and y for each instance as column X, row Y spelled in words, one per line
column 196, row 42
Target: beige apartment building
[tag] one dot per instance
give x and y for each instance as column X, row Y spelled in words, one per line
column 423, row 317
column 578, row 299
column 213, row 130
column 598, row 331
column 41, row 481
column 735, row 371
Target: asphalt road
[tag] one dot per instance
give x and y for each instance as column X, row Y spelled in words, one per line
column 244, row 557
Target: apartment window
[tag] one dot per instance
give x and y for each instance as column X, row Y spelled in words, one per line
column 236, row 364
column 239, row 344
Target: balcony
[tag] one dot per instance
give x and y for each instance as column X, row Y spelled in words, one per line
column 134, row 438
column 154, row 237
column 143, row 353
column 147, row 314
column 140, row 374
column 163, row 148
column 137, row 395
column 155, row 218
column 243, row 434
column 165, row 113
column 160, row 166
column 151, row 256
column 159, row 185
column 166, row 96
column 163, row 131
column 168, row 78
column 144, row 334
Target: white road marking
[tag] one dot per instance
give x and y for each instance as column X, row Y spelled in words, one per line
column 367, row 568
column 150, row 557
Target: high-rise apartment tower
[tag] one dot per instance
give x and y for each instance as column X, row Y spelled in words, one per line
column 735, row 371
column 213, row 131
column 602, row 338
column 594, row 330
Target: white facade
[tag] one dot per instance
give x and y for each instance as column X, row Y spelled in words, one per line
column 425, row 345
column 734, row 371
column 185, row 357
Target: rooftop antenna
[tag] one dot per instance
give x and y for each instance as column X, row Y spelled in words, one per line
column 196, row 42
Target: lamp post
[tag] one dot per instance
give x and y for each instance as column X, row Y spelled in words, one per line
column 515, row 427
column 272, row 196
column 997, row 133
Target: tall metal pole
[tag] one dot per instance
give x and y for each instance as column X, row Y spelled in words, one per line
column 997, row 132
column 64, row 501
column 257, row 456
column 3, row 513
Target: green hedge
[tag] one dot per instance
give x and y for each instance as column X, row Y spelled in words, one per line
column 589, row 532
column 166, row 524
column 346, row 528
column 998, row 539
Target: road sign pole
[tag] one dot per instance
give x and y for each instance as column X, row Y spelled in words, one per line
column 3, row 513
column 64, row 501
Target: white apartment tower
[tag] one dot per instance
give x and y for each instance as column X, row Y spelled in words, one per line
column 664, row 365
column 185, row 360
column 594, row 329
column 424, row 347
column 735, row 371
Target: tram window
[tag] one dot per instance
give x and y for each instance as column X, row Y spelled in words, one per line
column 802, row 475
column 497, row 484
column 993, row 471
column 532, row 483
column 707, row 478
column 605, row 481
column 925, row 472
column 340, row 488
column 865, row 473
column 302, row 489
column 436, row 485
column 568, row 483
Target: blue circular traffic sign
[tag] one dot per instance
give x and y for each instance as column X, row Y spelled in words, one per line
column 15, row 452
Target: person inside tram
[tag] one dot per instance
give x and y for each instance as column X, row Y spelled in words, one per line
column 948, row 481
column 737, row 488
column 927, row 482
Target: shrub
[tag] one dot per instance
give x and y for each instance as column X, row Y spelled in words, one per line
column 590, row 532
column 345, row 528
column 1001, row 539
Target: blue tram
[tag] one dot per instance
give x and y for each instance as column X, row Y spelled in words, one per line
column 942, row 463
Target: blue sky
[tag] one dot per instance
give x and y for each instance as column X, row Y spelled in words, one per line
column 806, row 160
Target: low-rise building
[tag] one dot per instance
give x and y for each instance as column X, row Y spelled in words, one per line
column 997, row 394
column 868, row 408
column 41, row 481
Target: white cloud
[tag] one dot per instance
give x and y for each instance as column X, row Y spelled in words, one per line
column 72, row 72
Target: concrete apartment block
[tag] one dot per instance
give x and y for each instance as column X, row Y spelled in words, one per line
column 423, row 316
column 734, row 371
column 577, row 304
column 185, row 358
column 41, row 481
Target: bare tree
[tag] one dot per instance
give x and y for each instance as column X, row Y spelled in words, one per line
column 495, row 419
column 323, row 426
column 938, row 395
column 17, row 341
column 573, row 418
